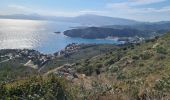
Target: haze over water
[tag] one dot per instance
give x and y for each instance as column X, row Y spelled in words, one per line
column 38, row 35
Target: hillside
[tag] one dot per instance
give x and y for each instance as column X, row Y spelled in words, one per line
column 37, row 88
column 84, row 52
column 16, row 64
column 132, row 72
column 129, row 72
column 144, row 30
column 102, row 33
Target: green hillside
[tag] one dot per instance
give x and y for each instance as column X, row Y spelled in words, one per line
column 140, row 71
column 130, row 72
column 84, row 53
column 37, row 88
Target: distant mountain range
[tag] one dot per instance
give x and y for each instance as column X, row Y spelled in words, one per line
column 85, row 20
column 156, row 26
column 95, row 26
column 90, row 20
column 23, row 16
column 96, row 20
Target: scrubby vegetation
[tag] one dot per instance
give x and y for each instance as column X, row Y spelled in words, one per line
column 37, row 88
column 130, row 72
column 139, row 71
column 85, row 52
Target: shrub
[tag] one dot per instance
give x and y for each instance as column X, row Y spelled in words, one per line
column 99, row 65
column 121, row 76
column 163, row 84
column 141, row 64
column 88, row 70
column 151, row 40
column 160, row 57
column 135, row 57
column 146, row 55
column 113, row 68
column 161, row 50
column 35, row 88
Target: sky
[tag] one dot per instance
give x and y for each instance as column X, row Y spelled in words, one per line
column 141, row 10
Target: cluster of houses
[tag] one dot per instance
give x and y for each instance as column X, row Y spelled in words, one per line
column 135, row 39
column 69, row 49
column 34, row 58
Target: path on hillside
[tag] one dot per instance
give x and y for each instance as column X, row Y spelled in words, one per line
column 42, row 67
column 7, row 60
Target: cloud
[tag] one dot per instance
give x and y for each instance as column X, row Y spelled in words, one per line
column 132, row 9
column 132, row 3
column 140, row 10
column 144, row 2
column 20, row 9
column 125, row 8
column 132, row 6
column 16, row 9
column 89, row 11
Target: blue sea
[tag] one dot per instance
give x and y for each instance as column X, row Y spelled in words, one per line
column 39, row 35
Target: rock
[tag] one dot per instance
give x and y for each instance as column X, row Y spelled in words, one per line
column 70, row 77
column 155, row 45
column 31, row 65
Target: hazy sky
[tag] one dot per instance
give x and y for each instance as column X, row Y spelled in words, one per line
column 144, row 10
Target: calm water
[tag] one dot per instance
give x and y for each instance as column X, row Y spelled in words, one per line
column 39, row 35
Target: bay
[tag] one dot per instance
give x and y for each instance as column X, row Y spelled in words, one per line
column 39, row 35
